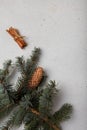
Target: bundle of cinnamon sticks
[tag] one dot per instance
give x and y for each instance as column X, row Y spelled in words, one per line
column 17, row 37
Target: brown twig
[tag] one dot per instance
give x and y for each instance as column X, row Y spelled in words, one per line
column 45, row 119
column 7, row 106
column 17, row 37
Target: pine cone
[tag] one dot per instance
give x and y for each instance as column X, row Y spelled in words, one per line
column 36, row 78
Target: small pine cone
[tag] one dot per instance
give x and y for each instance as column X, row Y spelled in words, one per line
column 36, row 77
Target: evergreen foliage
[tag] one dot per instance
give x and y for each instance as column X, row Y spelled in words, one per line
column 31, row 106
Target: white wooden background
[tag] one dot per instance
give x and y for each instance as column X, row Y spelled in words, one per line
column 59, row 28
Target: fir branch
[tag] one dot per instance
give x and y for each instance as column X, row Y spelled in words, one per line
column 10, row 92
column 4, row 111
column 35, row 54
column 63, row 113
column 4, row 79
column 6, row 107
column 4, row 73
column 19, row 114
column 4, row 101
column 21, row 82
column 21, row 88
column 31, row 63
column 20, row 63
column 9, row 123
column 26, row 101
column 6, row 66
column 15, row 118
column 33, row 107
column 33, row 124
column 46, row 99
column 44, row 119
column 2, row 95
column 26, row 68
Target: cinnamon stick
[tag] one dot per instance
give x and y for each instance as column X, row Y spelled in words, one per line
column 17, row 37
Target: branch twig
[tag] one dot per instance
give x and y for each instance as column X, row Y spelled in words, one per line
column 45, row 119
column 7, row 106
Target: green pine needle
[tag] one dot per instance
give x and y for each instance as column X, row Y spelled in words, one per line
column 46, row 99
column 63, row 113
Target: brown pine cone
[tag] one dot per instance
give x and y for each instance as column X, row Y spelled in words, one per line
column 36, row 78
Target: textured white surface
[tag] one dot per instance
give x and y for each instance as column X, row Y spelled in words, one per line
column 59, row 28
